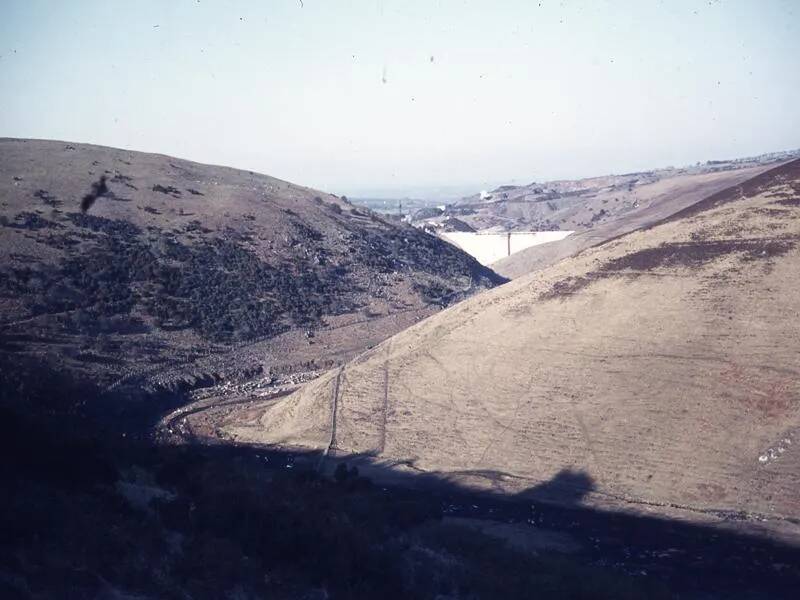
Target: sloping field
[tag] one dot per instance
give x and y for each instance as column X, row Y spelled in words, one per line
column 649, row 203
column 660, row 370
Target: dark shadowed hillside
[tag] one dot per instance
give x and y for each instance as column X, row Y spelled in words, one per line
column 212, row 269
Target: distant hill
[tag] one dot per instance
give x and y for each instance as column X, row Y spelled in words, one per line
column 207, row 270
column 599, row 208
column 584, row 203
column 657, row 372
column 395, row 206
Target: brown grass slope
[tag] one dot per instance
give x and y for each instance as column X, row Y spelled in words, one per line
column 183, row 263
column 646, row 203
column 664, row 365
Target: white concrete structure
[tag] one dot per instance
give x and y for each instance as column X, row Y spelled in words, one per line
column 490, row 247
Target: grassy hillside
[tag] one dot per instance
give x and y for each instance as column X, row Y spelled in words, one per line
column 181, row 263
column 661, row 366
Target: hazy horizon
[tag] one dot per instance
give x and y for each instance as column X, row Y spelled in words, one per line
column 420, row 99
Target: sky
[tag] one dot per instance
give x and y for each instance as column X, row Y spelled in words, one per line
column 419, row 98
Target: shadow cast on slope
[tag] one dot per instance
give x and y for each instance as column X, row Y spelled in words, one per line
column 88, row 513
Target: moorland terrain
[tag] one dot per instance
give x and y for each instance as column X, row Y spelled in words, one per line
column 662, row 365
column 217, row 384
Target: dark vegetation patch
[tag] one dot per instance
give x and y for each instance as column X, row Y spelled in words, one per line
column 168, row 190
column 124, row 180
column 184, row 172
column 120, row 178
column 93, row 357
column 62, row 241
column 567, row 287
column 442, row 271
column 47, row 198
column 771, row 212
column 196, row 226
column 30, row 221
column 788, row 201
column 195, row 192
column 24, row 258
column 307, row 234
column 434, row 293
column 684, row 254
column 118, row 228
column 225, row 292
column 113, row 270
column 695, row 254
column 406, row 248
column 216, row 287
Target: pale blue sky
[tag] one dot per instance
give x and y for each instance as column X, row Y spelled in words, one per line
column 386, row 97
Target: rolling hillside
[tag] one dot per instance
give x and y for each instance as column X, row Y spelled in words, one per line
column 183, row 272
column 657, row 372
column 650, row 202
column 596, row 208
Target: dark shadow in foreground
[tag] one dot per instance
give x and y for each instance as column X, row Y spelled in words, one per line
column 90, row 515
